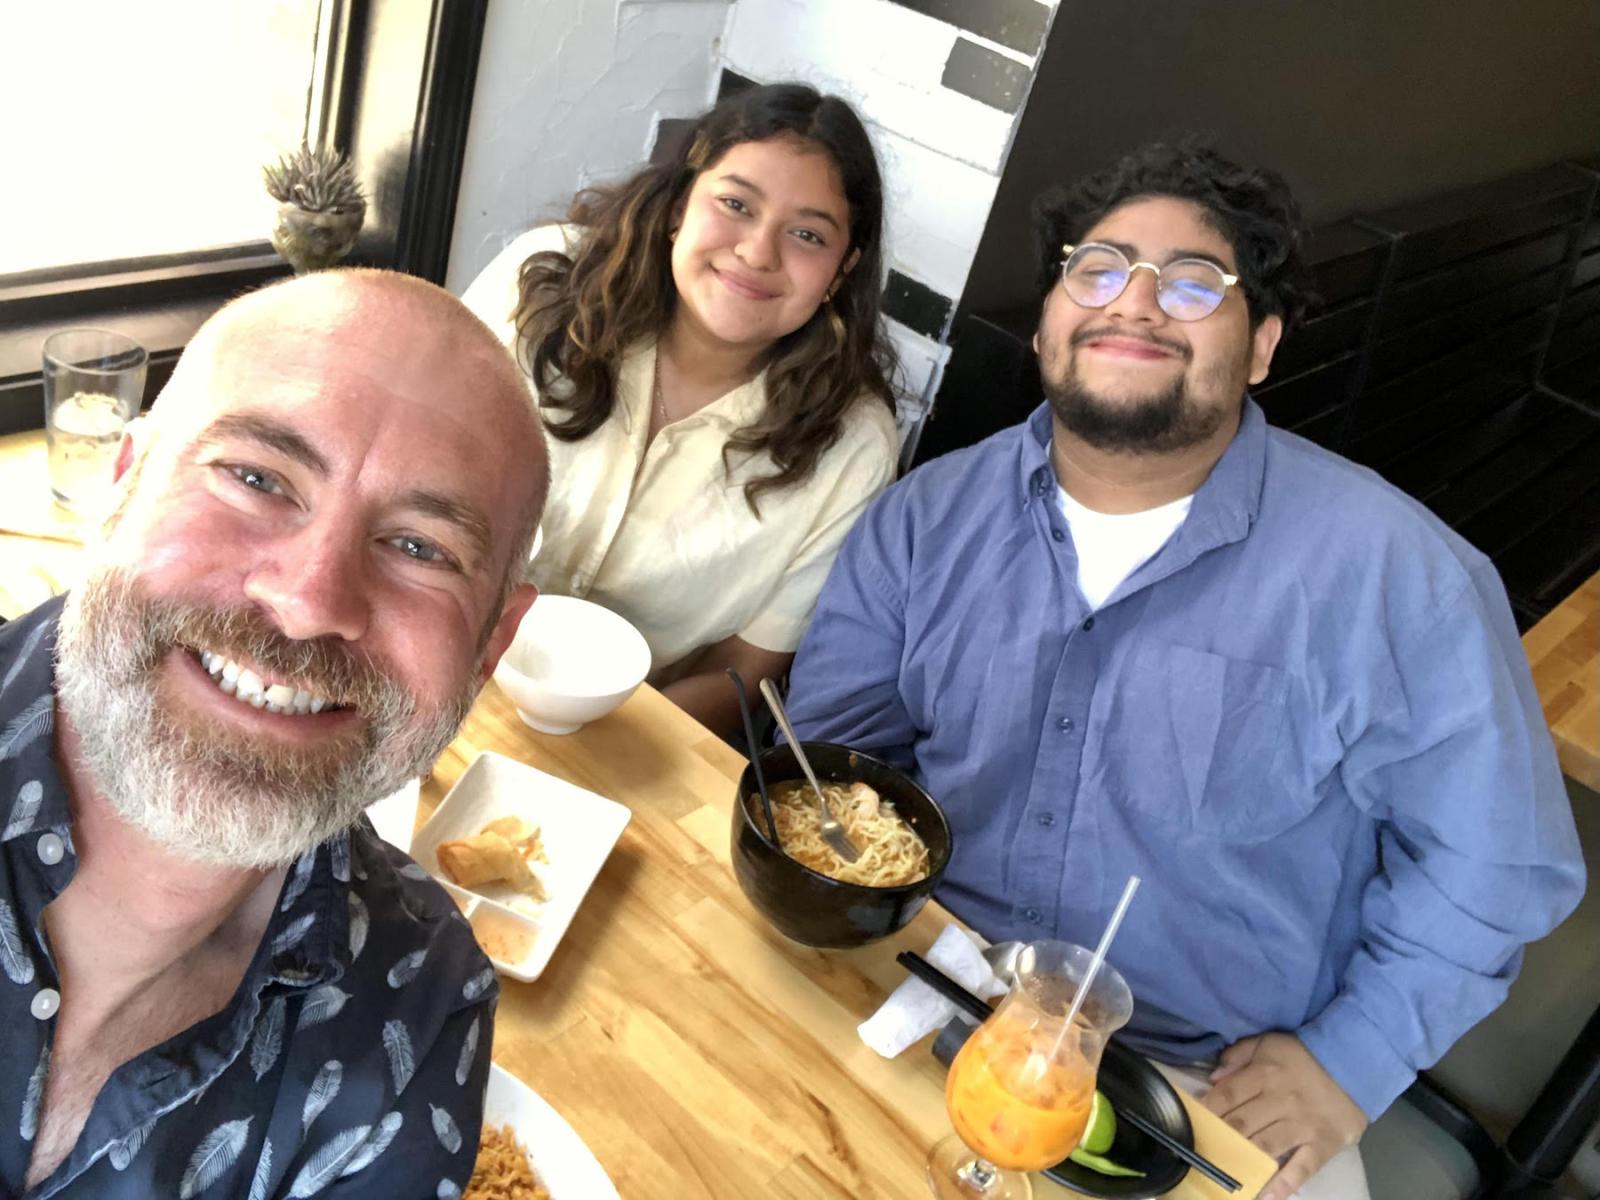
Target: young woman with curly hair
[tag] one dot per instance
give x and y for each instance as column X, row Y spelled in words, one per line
column 704, row 340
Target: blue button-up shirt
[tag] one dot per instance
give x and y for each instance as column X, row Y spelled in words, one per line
column 1306, row 722
column 350, row 1063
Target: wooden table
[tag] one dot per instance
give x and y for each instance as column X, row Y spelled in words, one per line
column 696, row 1051
column 40, row 542
column 1564, row 650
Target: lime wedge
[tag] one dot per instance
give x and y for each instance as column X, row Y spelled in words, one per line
column 1103, row 1165
column 1101, row 1130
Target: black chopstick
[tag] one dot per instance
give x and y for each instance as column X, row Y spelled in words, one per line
column 943, row 984
column 755, row 760
column 1178, row 1150
column 953, row 991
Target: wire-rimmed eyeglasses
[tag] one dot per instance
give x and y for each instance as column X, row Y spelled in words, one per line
column 1187, row 289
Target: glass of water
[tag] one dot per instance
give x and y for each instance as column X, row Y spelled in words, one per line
column 93, row 383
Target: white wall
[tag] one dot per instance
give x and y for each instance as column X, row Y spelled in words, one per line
column 568, row 92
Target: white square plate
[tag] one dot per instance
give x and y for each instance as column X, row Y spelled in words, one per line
column 395, row 816
column 578, row 829
column 566, row 1167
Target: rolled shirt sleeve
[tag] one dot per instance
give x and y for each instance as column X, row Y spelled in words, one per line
column 1479, row 852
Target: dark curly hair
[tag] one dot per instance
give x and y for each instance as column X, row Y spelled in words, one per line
column 578, row 316
column 1251, row 207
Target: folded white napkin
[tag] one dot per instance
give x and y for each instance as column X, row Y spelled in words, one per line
column 914, row 1010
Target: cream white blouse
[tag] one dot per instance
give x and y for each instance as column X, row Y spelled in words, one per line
column 660, row 532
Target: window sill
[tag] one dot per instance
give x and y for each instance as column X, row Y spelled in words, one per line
column 157, row 302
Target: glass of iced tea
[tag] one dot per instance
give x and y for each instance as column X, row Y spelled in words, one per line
column 1019, row 1090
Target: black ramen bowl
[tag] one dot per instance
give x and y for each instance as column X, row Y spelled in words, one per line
column 810, row 907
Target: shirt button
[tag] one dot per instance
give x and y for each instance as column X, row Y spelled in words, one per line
column 1088, row 624
column 1057, row 535
column 45, row 1003
column 51, row 849
column 1033, row 916
column 1047, row 819
column 1065, row 724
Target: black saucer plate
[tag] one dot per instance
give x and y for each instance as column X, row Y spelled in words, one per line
column 1133, row 1085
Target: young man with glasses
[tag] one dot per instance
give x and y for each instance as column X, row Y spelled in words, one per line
column 1143, row 633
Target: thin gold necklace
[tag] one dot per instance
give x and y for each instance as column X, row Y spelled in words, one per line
column 655, row 391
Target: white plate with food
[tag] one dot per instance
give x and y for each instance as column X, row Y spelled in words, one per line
column 395, row 816
column 518, row 849
column 564, row 1166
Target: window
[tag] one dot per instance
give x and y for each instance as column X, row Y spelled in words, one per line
column 143, row 127
column 188, row 99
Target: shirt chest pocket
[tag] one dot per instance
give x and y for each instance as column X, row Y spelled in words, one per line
column 1198, row 742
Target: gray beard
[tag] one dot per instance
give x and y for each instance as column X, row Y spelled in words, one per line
column 203, row 791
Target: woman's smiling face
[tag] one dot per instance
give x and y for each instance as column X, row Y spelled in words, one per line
column 763, row 238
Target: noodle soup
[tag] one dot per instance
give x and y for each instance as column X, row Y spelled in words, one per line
column 799, row 896
column 891, row 852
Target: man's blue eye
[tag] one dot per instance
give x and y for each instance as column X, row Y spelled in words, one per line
column 257, row 480
column 417, row 548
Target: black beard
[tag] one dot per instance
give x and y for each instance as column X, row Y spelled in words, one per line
column 1161, row 424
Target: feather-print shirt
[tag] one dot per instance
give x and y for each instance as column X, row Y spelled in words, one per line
column 351, row 1061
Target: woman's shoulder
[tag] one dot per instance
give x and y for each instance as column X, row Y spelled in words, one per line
column 865, row 455
column 871, row 423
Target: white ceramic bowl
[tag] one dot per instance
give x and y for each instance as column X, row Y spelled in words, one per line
column 571, row 662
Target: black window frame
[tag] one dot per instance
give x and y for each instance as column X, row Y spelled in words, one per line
column 392, row 86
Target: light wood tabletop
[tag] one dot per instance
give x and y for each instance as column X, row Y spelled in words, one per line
column 696, row 1051
column 40, row 542
column 1564, row 650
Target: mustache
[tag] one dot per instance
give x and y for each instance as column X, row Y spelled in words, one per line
column 1085, row 336
column 326, row 666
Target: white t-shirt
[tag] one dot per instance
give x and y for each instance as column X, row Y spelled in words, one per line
column 1111, row 546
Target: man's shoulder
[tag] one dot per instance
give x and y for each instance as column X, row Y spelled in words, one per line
column 1338, row 528
column 1348, row 504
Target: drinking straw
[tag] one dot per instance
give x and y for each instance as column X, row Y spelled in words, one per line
column 1098, row 960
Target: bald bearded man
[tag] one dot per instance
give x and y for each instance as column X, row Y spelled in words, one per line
column 219, row 982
